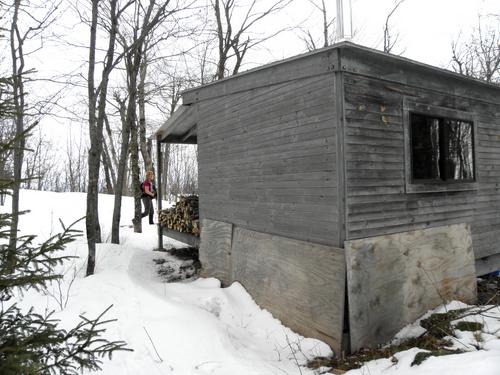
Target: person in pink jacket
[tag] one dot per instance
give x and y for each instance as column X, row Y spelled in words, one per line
column 148, row 194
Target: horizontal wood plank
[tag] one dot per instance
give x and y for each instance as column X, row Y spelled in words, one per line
column 374, row 150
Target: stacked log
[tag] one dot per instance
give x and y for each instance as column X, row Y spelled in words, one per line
column 183, row 216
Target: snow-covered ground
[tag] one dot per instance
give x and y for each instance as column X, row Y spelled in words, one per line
column 197, row 327
column 194, row 327
column 481, row 349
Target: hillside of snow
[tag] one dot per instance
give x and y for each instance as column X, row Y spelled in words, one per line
column 197, row 327
column 179, row 328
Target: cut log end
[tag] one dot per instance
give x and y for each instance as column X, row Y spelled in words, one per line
column 183, row 216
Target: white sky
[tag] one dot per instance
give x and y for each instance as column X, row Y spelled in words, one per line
column 426, row 28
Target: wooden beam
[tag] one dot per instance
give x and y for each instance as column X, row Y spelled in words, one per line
column 488, row 265
column 341, row 152
column 190, row 134
column 159, row 190
column 182, row 237
column 181, row 140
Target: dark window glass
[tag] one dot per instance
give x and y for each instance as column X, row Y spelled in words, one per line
column 425, row 139
column 441, row 149
column 459, row 161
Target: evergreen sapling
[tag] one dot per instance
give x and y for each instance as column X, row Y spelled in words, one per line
column 31, row 343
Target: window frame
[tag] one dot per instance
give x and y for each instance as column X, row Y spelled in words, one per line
column 433, row 185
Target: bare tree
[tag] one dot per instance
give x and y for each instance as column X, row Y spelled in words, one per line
column 6, row 134
column 182, row 171
column 7, row 131
column 40, row 164
column 97, row 99
column 391, row 39
column 234, row 38
column 176, row 80
column 141, row 101
column 134, row 43
column 75, row 172
column 106, row 161
column 110, row 150
column 328, row 28
column 479, row 56
column 24, row 26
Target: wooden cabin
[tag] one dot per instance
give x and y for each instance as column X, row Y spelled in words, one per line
column 348, row 190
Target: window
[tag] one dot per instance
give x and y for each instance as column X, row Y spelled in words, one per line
column 441, row 148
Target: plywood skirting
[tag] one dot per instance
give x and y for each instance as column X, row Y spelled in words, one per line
column 394, row 279
column 215, row 250
column 300, row 283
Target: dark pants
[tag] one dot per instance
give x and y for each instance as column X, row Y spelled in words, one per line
column 148, row 208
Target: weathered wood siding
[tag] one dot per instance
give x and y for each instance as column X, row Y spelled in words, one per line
column 377, row 203
column 267, row 158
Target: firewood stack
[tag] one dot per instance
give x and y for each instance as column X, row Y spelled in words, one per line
column 183, row 217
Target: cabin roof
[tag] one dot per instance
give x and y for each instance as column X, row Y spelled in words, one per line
column 345, row 56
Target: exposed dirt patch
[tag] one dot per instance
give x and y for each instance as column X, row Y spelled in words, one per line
column 180, row 264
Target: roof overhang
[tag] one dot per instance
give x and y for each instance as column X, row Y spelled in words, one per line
column 180, row 127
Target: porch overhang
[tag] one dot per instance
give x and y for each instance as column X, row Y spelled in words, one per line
column 180, row 127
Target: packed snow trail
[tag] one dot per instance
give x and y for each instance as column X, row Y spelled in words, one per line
column 193, row 327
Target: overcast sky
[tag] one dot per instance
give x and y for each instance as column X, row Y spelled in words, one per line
column 426, row 29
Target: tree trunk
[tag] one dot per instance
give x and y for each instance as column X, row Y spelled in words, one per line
column 18, row 91
column 107, row 169
column 325, row 24
column 121, row 179
column 134, row 141
column 129, row 127
column 146, row 153
column 136, row 179
column 97, row 100
column 223, row 41
column 113, row 158
column 93, row 233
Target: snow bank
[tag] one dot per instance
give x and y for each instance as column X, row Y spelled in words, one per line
column 192, row 327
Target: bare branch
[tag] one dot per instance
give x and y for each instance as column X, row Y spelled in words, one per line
column 390, row 40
